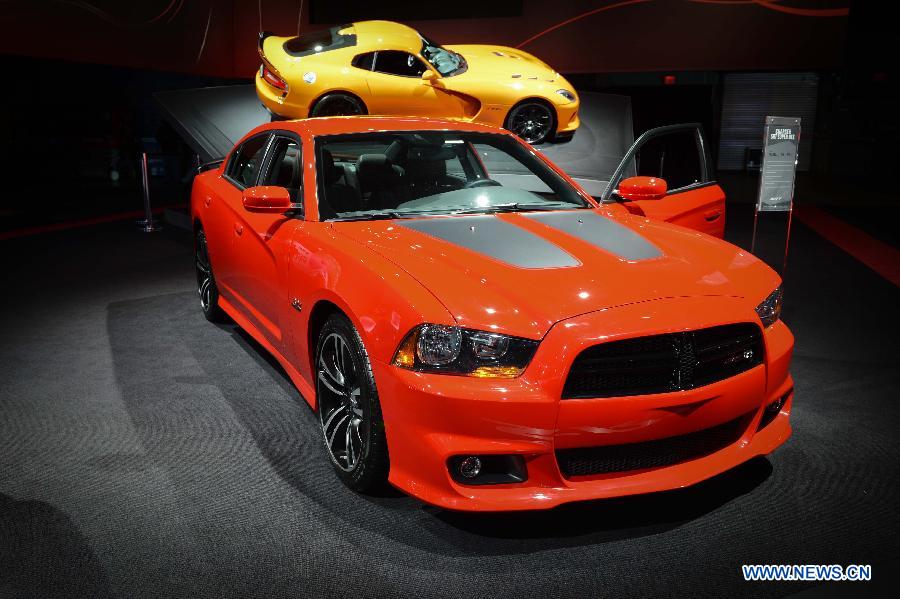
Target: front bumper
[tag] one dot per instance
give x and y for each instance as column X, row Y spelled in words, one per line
column 567, row 117
column 431, row 418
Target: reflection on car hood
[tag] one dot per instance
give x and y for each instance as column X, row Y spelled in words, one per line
column 500, row 61
column 519, row 273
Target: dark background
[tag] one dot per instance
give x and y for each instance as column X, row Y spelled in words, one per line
column 78, row 109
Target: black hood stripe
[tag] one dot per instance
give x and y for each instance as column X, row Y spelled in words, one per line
column 488, row 235
column 599, row 231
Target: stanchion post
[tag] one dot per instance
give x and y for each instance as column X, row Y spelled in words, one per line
column 147, row 224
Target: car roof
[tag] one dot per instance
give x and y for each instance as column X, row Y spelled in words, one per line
column 336, row 125
column 386, row 35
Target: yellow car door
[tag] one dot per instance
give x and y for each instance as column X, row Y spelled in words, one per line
column 397, row 88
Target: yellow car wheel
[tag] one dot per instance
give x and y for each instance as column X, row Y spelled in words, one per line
column 338, row 104
column 533, row 120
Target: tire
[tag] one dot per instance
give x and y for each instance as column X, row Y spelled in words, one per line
column 337, row 104
column 206, row 281
column 532, row 120
column 348, row 407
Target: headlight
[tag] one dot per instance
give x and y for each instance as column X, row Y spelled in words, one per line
column 566, row 94
column 769, row 310
column 453, row 350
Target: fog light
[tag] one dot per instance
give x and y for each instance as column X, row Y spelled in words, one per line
column 773, row 409
column 487, row 469
column 776, row 405
column 470, row 467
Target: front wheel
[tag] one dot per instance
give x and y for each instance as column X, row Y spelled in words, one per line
column 532, row 120
column 337, row 104
column 348, row 407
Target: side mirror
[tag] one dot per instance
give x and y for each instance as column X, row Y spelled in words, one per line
column 429, row 77
column 266, row 198
column 642, row 188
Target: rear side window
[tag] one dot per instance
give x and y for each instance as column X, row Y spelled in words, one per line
column 247, row 160
column 395, row 62
column 315, row 42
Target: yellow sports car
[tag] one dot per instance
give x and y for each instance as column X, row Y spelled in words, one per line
column 381, row 67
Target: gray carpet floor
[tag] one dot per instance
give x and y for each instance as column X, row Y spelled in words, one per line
column 146, row 453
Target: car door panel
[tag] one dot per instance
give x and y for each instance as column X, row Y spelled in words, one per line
column 261, row 246
column 701, row 208
column 231, row 184
column 393, row 93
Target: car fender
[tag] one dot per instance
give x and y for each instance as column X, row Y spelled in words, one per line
column 383, row 301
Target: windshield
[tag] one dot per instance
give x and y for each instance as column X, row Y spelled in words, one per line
column 413, row 173
column 446, row 62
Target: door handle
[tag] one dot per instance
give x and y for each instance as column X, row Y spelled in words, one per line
column 712, row 215
column 238, row 228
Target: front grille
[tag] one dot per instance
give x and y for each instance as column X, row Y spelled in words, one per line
column 587, row 461
column 664, row 363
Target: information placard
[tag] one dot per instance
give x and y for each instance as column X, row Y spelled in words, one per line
column 776, row 186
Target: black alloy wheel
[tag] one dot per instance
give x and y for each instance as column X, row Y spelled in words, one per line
column 348, row 407
column 532, row 121
column 206, row 281
column 337, row 105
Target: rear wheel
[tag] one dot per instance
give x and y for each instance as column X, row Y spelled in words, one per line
column 337, row 104
column 206, row 281
column 532, row 120
column 348, row 407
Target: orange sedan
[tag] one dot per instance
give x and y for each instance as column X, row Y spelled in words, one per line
column 472, row 327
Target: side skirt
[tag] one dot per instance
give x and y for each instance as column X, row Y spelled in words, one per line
column 305, row 389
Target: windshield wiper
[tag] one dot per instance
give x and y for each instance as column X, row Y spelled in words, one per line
column 512, row 207
column 387, row 215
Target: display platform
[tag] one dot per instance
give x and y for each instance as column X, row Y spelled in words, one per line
column 212, row 119
column 175, row 459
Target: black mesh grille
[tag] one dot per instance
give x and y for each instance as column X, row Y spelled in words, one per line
column 663, row 363
column 586, row 461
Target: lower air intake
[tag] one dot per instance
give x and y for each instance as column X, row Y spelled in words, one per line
column 606, row 459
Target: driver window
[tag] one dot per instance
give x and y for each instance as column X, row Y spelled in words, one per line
column 674, row 157
column 285, row 168
column 394, row 62
column 246, row 162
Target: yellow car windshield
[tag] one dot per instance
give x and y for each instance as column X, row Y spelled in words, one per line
column 446, row 62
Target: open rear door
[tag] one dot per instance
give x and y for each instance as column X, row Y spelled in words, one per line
column 677, row 154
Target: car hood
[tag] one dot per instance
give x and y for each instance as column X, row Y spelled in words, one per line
column 520, row 273
column 504, row 63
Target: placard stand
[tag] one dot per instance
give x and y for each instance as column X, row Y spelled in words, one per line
column 774, row 206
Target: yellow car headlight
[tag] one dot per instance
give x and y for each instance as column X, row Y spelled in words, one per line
column 569, row 96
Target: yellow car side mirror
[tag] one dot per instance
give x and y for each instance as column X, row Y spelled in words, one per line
column 429, row 77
